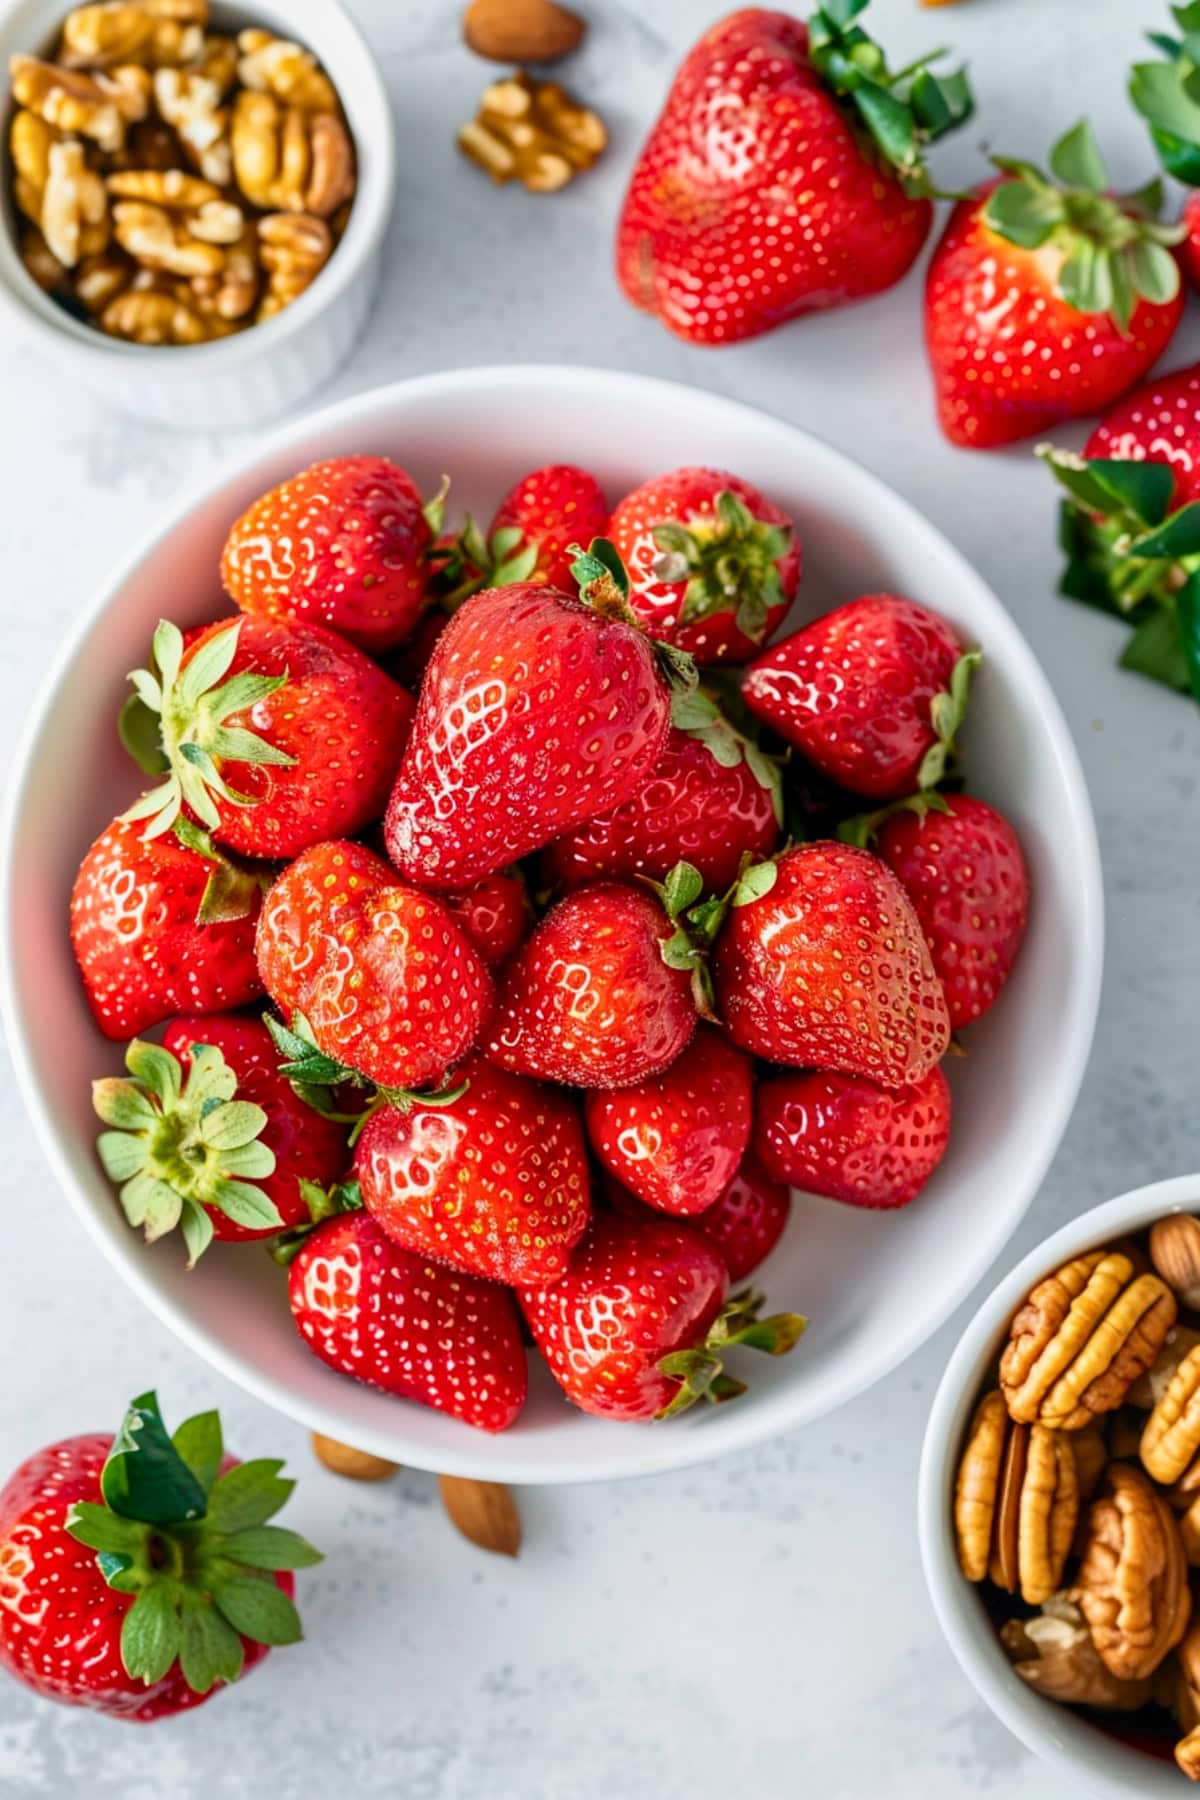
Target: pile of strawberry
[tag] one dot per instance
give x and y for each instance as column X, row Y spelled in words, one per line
column 574, row 963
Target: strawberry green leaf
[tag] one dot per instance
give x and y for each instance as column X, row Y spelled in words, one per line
column 139, row 731
column 151, row 1637
column 1076, row 158
column 248, row 1495
column 144, row 1476
column 682, row 888
column 1177, row 537
column 200, row 1443
column 1187, row 616
column 270, row 1547
column 1155, row 650
column 257, row 1608
column 754, row 883
column 102, row 1529
column 210, row 1649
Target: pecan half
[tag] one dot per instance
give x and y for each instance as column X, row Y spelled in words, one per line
column 1132, row 1582
column 1055, row 1654
column 1016, row 1503
column 1172, row 1435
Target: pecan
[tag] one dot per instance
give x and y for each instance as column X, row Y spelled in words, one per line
column 1175, row 1253
column 275, row 66
column 532, row 132
column 190, row 103
column 1055, row 1654
column 294, row 247
column 1016, row 1503
column 74, row 205
column 132, row 31
column 1172, row 1435
column 1132, row 1581
column 1091, row 1458
column 1149, row 1388
column 1081, row 1340
column 288, row 160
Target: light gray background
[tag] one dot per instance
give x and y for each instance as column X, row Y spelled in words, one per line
column 760, row 1624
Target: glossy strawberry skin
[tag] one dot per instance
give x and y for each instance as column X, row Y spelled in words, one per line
column 752, row 202
column 691, row 809
column 676, row 1140
column 632, row 1294
column 853, row 691
column 494, row 915
column 535, row 713
column 141, row 954
column 829, row 969
column 495, row 1182
column 1010, row 359
column 688, row 496
column 554, row 507
column 744, row 1224
column 588, row 1000
column 1158, row 422
column 384, row 976
column 408, row 1325
column 343, row 720
column 60, row 1622
column 847, row 1139
column 964, row 873
column 306, row 1146
column 1189, row 250
column 342, row 544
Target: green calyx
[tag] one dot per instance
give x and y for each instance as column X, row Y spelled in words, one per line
column 322, row 1203
column 233, row 888
column 947, row 710
column 473, row 562
column 728, row 562
column 700, row 1370
column 604, row 583
column 1129, row 555
column 1113, row 249
column 1167, row 94
column 688, row 946
column 696, row 711
column 177, row 1147
column 315, row 1076
column 863, row 828
column 192, row 1546
column 902, row 111
column 190, row 707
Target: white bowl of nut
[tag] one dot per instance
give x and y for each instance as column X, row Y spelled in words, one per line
column 1059, row 1483
column 194, row 204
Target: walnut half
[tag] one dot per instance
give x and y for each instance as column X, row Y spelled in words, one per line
column 1055, row 1654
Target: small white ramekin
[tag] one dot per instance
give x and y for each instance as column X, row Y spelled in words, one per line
column 237, row 381
column 1074, row 1747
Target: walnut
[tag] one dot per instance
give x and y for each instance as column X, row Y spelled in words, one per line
column 1132, row 1581
column 158, row 239
column 191, row 104
column 287, row 160
column 232, row 294
column 198, row 206
column 1055, row 1654
column 101, row 277
column 156, row 32
column 149, row 316
column 532, row 132
column 74, row 205
column 272, row 65
column 70, row 100
column 1081, row 1340
column 29, row 141
column 294, row 248
column 148, row 145
column 1016, row 1503
column 41, row 262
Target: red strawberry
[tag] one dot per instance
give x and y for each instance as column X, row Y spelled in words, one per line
column 842, row 1136
column 867, row 692
column 162, row 927
column 494, row 1181
column 196, row 1588
column 1046, row 302
column 530, row 536
column 781, row 177
column 536, row 712
column 273, row 736
column 822, row 963
column 408, row 664
column 745, row 1224
column 637, row 1327
column 207, row 1135
column 384, row 978
column 712, row 799
column 344, row 544
column 1158, row 422
column 713, row 565
column 408, row 1325
column 493, row 915
column 676, row 1139
column 590, row 999
column 963, row 870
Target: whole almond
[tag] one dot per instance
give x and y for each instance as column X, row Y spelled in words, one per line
column 484, row 1511
column 355, row 1465
column 1175, row 1253
column 521, row 31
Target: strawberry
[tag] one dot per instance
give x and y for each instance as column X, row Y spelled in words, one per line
column 601, row 993
column 530, row 536
column 343, row 544
column 273, row 736
column 638, row 1326
column 784, row 175
column 207, row 1135
column 1044, row 302
column 384, row 980
column 872, row 693
column 137, row 1573
column 712, row 799
column 494, row 1182
column 677, row 1138
column 407, row 1325
column 493, row 915
column 841, row 1136
column 408, row 664
column 536, row 712
column 745, row 1224
column 960, row 863
column 822, row 963
column 162, row 927
column 713, row 565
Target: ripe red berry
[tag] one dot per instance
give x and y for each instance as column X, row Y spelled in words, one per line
column 841, row 1136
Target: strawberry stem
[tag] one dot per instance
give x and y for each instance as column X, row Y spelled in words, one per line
column 700, row 1369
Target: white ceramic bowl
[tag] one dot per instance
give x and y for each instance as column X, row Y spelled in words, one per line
column 850, row 1270
column 1075, row 1748
column 237, row 381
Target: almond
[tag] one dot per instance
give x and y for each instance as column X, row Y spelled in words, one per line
column 1175, row 1253
column 521, row 31
column 484, row 1511
column 355, row 1465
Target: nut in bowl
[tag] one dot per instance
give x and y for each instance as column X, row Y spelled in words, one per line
column 848, row 1264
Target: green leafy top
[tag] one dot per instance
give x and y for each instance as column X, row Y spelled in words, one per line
column 472, row 562
column 192, row 1546
column 178, row 1147
column 700, row 1369
column 191, row 706
column 903, row 111
column 1113, row 248
column 1167, row 94
column 697, row 712
column 728, row 562
column 315, row 1077
column 604, row 583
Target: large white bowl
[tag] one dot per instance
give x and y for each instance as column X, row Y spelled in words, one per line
column 1080, row 1751
column 851, row 1271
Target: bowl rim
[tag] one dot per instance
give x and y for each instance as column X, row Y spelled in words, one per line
column 1029, row 1716
column 776, row 1412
